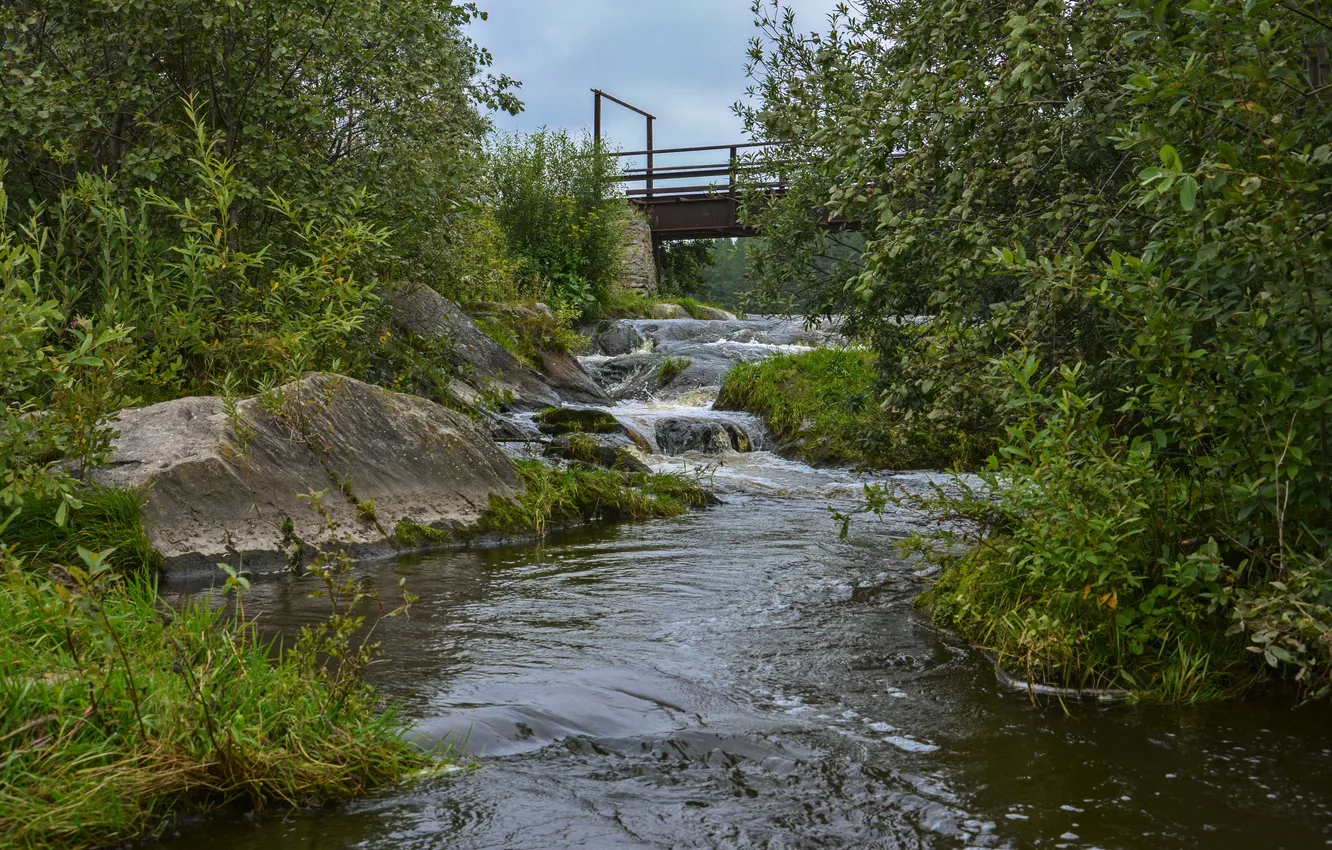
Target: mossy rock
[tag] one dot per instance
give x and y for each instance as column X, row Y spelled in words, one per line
column 611, row 451
column 571, row 420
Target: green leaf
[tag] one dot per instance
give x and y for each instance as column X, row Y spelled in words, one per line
column 1188, row 193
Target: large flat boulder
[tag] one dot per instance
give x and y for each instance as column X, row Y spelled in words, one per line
column 483, row 361
column 321, row 463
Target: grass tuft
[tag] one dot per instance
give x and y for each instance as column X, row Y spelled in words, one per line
column 109, row 519
column 117, row 711
column 671, row 368
column 556, row 498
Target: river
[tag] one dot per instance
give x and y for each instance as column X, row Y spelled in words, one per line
column 743, row 678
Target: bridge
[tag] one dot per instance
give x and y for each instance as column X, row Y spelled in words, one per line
column 694, row 210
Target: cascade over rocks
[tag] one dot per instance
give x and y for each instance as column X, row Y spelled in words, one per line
column 220, row 486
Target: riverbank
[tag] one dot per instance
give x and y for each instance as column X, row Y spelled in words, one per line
column 824, row 408
column 120, row 711
column 1075, row 559
column 139, row 711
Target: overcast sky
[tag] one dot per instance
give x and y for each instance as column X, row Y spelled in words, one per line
column 682, row 60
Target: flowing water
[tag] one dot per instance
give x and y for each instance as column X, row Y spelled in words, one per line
column 740, row 677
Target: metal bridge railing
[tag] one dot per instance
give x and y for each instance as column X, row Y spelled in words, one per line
column 647, row 183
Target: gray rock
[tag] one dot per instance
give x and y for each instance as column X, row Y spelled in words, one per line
column 669, row 311
column 228, row 487
column 483, row 362
column 566, row 375
column 614, row 338
column 679, row 434
column 712, row 314
column 613, row 451
column 508, row 431
column 639, row 268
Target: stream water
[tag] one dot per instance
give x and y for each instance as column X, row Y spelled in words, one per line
column 740, row 677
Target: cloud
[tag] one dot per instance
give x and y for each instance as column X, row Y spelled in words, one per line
column 682, row 60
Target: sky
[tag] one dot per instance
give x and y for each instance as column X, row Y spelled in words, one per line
column 681, row 60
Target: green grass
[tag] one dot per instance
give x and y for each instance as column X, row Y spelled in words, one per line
column 671, row 368
column 555, row 498
column 1043, row 631
column 117, row 711
column 527, row 333
column 820, row 406
column 823, row 407
column 108, row 519
column 693, row 304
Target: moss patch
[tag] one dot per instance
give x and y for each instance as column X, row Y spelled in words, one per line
column 411, row 534
column 567, row 420
column 554, row 498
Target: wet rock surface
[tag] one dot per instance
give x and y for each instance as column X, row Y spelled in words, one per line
column 679, row 434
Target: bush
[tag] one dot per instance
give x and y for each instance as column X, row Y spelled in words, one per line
column 556, row 201
column 303, row 99
column 1157, row 227
column 822, row 406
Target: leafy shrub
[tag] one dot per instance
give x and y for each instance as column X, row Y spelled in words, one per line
column 1157, row 226
column 822, row 406
column 555, row 200
column 684, row 265
column 303, row 99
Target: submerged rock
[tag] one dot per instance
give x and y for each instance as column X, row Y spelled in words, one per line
column 613, row 451
column 321, row 463
column 679, row 434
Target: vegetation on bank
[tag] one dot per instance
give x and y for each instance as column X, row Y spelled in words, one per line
column 118, row 711
column 628, row 304
column 824, row 407
column 1113, row 217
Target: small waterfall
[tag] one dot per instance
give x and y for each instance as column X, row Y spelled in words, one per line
column 664, row 376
